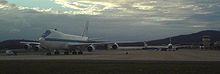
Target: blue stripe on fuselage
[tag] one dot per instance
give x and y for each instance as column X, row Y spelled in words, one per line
column 65, row 40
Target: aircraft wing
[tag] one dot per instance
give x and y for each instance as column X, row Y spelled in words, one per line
column 157, row 47
column 87, row 44
column 164, row 47
column 113, row 45
column 32, row 43
column 99, row 43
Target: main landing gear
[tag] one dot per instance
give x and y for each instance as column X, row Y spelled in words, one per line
column 66, row 52
column 77, row 52
column 73, row 52
column 56, row 52
column 48, row 53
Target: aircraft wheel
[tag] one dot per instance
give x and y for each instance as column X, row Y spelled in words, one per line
column 15, row 53
column 48, row 53
column 176, row 48
column 80, row 52
column 126, row 53
column 74, row 53
column 56, row 52
column 66, row 53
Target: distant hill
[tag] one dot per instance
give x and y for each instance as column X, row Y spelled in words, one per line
column 194, row 38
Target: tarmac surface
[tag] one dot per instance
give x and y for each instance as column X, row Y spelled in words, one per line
column 146, row 55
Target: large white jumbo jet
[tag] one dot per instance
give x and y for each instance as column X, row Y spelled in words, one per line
column 55, row 40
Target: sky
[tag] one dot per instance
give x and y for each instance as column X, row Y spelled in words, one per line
column 115, row 20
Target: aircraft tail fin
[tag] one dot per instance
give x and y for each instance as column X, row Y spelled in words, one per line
column 86, row 28
column 47, row 33
column 170, row 40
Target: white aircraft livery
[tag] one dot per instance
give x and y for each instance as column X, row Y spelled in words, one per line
column 168, row 47
column 55, row 40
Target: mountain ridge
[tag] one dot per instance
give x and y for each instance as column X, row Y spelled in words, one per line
column 194, row 38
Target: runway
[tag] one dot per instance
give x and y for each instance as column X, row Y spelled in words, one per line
column 146, row 55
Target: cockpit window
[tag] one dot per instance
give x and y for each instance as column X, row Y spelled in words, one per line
column 46, row 33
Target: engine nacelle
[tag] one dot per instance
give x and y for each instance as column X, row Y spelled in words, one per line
column 36, row 47
column 27, row 46
column 115, row 46
column 91, row 48
column 170, row 46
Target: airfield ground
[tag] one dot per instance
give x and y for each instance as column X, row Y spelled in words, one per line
column 107, row 67
column 147, row 55
column 183, row 61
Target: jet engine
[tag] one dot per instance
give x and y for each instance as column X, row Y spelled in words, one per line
column 170, row 46
column 36, row 47
column 91, row 48
column 27, row 46
column 115, row 46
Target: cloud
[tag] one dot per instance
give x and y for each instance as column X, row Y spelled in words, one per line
column 111, row 19
column 86, row 7
column 168, row 9
column 5, row 4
